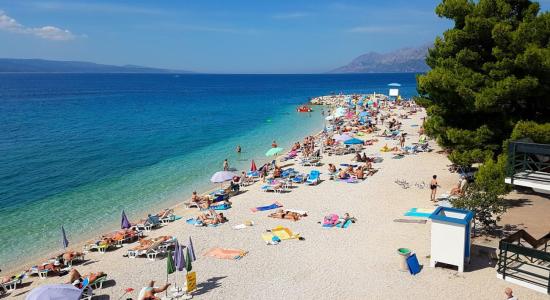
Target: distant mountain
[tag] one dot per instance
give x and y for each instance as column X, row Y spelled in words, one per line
column 13, row 65
column 406, row 60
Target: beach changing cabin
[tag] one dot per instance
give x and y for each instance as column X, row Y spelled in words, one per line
column 451, row 242
column 394, row 90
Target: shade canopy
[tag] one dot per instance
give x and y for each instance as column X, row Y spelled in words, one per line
column 222, row 176
column 342, row 137
column 55, row 292
column 353, row 141
column 274, row 151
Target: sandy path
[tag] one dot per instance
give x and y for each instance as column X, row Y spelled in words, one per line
column 356, row 263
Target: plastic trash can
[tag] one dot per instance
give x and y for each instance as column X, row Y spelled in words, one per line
column 404, row 253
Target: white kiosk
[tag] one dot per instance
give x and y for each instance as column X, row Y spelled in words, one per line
column 394, row 90
column 451, row 236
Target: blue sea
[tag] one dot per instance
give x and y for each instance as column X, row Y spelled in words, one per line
column 77, row 149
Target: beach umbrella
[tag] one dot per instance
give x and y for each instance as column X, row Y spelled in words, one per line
column 364, row 114
column 64, row 239
column 191, row 249
column 222, row 176
column 253, row 167
column 180, row 258
column 170, row 265
column 124, row 223
column 341, row 137
column 55, row 291
column 188, row 265
column 274, row 151
column 353, row 141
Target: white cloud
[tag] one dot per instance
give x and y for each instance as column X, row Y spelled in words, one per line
column 291, row 15
column 48, row 32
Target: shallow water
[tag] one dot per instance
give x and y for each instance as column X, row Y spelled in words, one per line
column 76, row 149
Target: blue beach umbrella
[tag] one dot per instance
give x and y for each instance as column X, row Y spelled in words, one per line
column 64, row 238
column 353, row 141
column 124, row 223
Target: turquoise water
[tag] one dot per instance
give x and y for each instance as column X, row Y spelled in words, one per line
column 77, row 149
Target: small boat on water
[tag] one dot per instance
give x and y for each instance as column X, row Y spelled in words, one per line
column 304, row 108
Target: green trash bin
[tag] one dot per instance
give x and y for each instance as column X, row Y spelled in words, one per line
column 404, row 253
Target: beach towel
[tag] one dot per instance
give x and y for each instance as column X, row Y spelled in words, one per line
column 410, row 221
column 192, row 221
column 340, row 224
column 279, row 233
column 220, row 207
column 419, row 212
column 222, row 253
column 267, row 207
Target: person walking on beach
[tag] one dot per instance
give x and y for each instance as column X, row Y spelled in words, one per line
column 402, row 140
column 238, row 149
column 225, row 165
column 433, row 187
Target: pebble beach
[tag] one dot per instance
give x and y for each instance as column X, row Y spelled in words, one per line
column 358, row 262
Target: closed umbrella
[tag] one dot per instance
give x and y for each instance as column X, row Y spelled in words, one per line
column 124, row 223
column 191, row 250
column 353, row 141
column 64, row 239
column 253, row 167
column 54, row 292
column 222, row 176
column 274, row 151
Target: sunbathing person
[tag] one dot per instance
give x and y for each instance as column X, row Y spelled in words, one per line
column 150, row 291
column 70, row 255
column 211, row 219
column 332, row 168
column 76, row 279
column 281, row 214
column 364, row 158
column 358, row 157
column 458, row 190
column 359, row 173
column 343, row 174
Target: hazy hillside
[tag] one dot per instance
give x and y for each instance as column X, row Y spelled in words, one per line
column 406, row 60
column 51, row 66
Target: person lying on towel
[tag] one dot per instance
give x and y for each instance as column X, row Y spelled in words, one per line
column 281, row 214
column 211, row 219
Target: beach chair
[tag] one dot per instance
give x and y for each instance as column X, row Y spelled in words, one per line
column 313, row 177
column 150, row 252
column 98, row 283
column 150, row 223
column 87, row 291
column 167, row 216
column 300, row 178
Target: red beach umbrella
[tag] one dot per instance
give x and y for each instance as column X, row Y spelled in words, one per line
column 253, row 167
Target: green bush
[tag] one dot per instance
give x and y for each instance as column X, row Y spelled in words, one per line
column 539, row 133
column 490, row 176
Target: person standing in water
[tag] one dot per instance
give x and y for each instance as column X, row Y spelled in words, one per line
column 274, row 144
column 225, row 165
column 433, row 187
column 238, row 149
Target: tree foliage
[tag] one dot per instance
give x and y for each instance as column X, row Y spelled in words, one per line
column 491, row 70
column 486, row 206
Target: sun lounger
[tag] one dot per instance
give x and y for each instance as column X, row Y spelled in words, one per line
column 313, row 177
column 98, row 282
column 148, row 224
column 166, row 216
column 151, row 251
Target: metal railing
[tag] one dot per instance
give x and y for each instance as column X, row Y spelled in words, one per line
column 515, row 255
column 528, row 157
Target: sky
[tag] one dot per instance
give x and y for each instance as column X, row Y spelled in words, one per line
column 216, row 36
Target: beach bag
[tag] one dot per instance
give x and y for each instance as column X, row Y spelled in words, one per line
column 331, row 219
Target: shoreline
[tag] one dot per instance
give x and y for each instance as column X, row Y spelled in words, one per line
column 175, row 203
